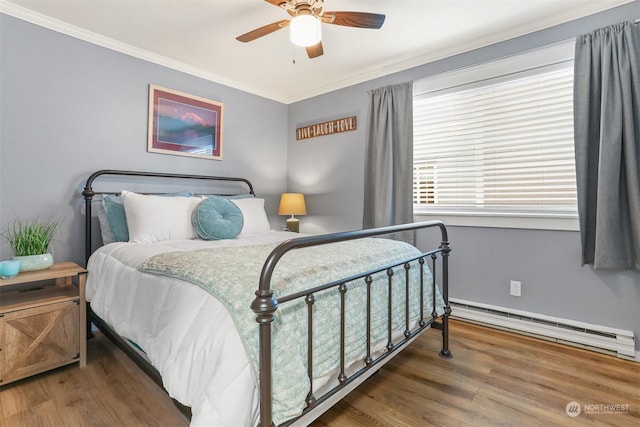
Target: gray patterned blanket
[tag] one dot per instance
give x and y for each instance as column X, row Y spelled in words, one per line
column 232, row 275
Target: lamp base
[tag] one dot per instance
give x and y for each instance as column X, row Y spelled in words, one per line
column 293, row 225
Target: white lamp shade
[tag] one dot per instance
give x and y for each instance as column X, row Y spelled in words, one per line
column 305, row 30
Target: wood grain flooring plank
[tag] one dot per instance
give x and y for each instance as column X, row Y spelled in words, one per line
column 494, row 379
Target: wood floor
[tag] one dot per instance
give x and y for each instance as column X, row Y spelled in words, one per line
column 494, row 379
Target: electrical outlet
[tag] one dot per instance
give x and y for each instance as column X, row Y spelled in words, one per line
column 516, row 288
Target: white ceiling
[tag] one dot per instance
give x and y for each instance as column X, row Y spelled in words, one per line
column 198, row 36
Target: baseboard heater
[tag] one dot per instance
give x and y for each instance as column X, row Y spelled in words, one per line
column 602, row 339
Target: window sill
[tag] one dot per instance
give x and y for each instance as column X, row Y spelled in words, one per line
column 524, row 221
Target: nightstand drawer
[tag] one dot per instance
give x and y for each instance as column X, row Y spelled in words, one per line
column 37, row 339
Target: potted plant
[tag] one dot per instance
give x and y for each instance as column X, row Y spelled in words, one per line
column 30, row 240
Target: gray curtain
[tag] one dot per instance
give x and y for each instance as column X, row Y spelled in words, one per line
column 607, row 145
column 388, row 182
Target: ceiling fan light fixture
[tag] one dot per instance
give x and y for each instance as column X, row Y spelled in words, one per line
column 305, row 30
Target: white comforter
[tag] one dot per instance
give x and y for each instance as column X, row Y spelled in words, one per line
column 185, row 332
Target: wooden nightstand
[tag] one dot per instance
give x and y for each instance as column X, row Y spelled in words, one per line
column 42, row 321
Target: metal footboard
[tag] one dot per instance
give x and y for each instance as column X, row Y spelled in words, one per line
column 265, row 306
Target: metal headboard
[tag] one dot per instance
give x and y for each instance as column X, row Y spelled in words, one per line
column 88, row 191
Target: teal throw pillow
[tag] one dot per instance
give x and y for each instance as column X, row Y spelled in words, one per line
column 217, row 218
column 114, row 209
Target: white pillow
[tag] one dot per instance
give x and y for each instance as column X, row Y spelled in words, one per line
column 153, row 218
column 253, row 214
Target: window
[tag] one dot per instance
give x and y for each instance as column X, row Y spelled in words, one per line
column 497, row 140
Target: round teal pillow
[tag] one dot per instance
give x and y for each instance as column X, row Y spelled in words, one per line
column 217, row 218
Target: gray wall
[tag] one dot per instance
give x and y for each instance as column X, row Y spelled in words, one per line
column 330, row 171
column 68, row 108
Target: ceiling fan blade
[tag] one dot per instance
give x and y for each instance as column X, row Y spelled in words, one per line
column 276, row 2
column 354, row 19
column 315, row 50
column 263, row 31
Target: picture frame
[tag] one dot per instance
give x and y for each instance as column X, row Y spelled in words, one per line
column 184, row 125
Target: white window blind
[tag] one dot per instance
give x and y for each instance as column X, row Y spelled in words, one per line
column 502, row 145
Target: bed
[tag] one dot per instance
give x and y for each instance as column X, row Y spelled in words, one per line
column 264, row 328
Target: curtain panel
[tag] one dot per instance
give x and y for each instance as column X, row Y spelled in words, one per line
column 607, row 145
column 388, row 183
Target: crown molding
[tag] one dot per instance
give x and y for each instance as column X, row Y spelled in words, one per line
column 56, row 25
column 394, row 66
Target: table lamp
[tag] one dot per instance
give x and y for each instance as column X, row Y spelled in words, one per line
column 292, row 204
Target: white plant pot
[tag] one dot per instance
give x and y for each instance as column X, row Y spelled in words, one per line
column 35, row 262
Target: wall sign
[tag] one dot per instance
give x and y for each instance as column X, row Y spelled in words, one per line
column 327, row 128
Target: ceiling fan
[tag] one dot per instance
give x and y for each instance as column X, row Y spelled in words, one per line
column 307, row 15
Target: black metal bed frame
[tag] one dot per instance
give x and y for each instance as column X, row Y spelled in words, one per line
column 266, row 304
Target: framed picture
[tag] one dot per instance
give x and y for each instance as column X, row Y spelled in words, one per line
column 184, row 125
